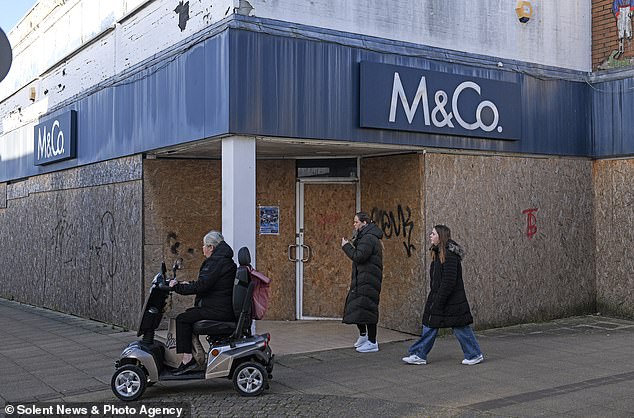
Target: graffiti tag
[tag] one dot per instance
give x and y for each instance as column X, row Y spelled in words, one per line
column 399, row 225
column 531, row 222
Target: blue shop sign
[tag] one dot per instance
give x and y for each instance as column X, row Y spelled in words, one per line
column 410, row 99
column 55, row 139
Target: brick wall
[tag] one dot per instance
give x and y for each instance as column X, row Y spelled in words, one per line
column 605, row 37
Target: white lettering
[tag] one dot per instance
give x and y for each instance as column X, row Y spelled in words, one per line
column 48, row 143
column 66, row 410
column 454, row 104
column 156, row 411
column 47, row 150
column 478, row 114
column 399, row 92
column 57, row 148
column 118, row 410
column 33, row 410
column 496, row 115
column 41, row 144
column 439, row 116
column 440, row 98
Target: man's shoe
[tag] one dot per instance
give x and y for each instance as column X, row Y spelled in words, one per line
column 473, row 361
column 191, row 366
column 368, row 347
column 414, row 359
column 361, row 340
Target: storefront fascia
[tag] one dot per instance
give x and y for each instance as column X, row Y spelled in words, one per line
column 257, row 88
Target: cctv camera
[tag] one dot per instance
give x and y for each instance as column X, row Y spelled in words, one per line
column 524, row 11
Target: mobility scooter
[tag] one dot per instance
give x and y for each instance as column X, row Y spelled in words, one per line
column 233, row 352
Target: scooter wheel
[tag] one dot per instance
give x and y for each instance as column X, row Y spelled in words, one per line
column 129, row 382
column 249, row 379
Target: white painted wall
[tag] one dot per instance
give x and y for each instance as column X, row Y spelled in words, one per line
column 559, row 34
column 55, row 51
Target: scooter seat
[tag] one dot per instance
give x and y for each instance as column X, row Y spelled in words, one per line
column 215, row 328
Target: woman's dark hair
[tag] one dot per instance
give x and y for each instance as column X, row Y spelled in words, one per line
column 444, row 235
column 363, row 217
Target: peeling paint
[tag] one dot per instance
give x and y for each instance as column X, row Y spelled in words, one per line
column 182, row 10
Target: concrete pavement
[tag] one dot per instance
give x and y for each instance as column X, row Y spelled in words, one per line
column 574, row 367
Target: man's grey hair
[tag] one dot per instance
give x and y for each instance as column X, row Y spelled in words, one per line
column 213, row 238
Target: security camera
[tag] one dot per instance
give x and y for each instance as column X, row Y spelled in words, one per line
column 524, row 11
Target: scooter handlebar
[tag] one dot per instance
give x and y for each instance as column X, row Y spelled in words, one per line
column 164, row 287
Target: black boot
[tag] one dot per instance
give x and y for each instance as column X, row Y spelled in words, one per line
column 191, row 366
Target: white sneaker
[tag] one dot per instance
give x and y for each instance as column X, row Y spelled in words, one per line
column 414, row 359
column 361, row 340
column 368, row 347
column 473, row 361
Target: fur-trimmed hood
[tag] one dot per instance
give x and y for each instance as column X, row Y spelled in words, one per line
column 455, row 248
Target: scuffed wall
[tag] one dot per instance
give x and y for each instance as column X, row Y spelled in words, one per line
column 614, row 220
column 111, row 37
column 558, row 34
column 3, row 195
column 275, row 185
column 391, row 193
column 527, row 227
column 75, row 241
column 91, row 238
column 181, row 203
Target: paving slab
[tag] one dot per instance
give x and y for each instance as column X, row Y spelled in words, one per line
column 571, row 367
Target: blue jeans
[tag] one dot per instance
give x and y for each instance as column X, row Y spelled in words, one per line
column 465, row 336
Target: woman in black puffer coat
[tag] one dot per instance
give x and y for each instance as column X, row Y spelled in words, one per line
column 362, row 304
column 447, row 305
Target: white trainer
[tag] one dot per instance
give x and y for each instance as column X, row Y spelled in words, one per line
column 361, row 340
column 414, row 359
column 368, row 347
column 473, row 361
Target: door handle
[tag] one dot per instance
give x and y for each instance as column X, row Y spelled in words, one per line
column 290, row 258
column 308, row 253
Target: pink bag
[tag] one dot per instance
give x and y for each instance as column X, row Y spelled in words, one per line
column 261, row 293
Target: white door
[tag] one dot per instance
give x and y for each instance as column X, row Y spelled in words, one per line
column 325, row 214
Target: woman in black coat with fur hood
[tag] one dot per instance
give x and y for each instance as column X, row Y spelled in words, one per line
column 362, row 304
column 447, row 305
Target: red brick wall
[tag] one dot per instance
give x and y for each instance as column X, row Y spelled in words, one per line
column 604, row 34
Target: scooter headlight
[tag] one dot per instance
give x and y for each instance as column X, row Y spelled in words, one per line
column 127, row 352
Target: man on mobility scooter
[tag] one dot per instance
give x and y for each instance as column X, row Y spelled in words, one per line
column 233, row 352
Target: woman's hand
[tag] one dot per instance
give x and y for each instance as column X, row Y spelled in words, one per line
column 173, row 283
column 344, row 241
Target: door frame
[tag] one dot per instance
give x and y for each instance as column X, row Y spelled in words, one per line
column 299, row 234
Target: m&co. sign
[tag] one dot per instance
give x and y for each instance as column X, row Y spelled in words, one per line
column 55, row 139
column 411, row 99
